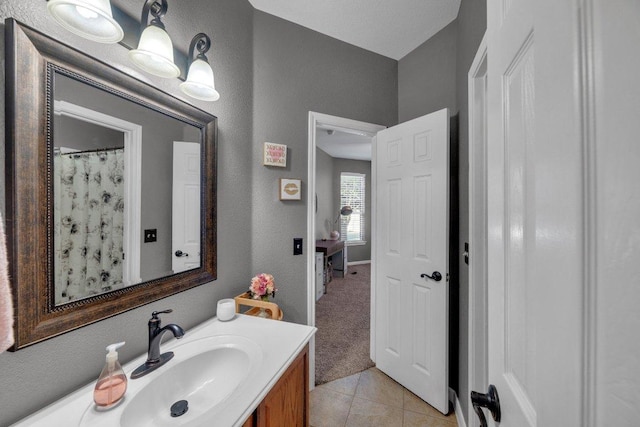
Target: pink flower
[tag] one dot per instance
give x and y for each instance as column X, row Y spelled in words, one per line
column 262, row 286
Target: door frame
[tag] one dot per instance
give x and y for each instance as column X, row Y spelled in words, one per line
column 478, row 264
column 371, row 130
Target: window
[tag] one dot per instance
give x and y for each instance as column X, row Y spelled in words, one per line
column 352, row 188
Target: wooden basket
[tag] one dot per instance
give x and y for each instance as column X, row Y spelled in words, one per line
column 271, row 308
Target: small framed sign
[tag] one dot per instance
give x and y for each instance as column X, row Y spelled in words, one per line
column 290, row 189
column 274, row 155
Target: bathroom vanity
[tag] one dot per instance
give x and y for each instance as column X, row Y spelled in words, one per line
column 245, row 372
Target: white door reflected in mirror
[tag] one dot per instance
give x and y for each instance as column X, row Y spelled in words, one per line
column 185, row 218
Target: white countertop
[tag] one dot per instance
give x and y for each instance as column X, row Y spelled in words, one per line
column 280, row 342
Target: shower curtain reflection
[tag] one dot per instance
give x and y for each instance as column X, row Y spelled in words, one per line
column 89, row 223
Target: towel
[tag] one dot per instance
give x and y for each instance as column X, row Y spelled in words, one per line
column 6, row 303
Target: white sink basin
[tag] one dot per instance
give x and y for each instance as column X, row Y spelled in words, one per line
column 207, row 373
column 223, row 369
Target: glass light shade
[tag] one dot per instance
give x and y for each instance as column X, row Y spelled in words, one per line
column 91, row 19
column 155, row 53
column 200, row 83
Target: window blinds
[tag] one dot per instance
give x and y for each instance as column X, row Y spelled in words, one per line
column 352, row 193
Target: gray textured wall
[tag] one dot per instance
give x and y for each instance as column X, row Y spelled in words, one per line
column 84, row 136
column 297, row 71
column 327, row 206
column 38, row 375
column 427, row 76
column 359, row 252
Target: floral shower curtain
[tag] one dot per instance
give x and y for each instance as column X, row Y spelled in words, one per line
column 89, row 223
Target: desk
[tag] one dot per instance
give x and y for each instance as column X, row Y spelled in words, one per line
column 329, row 248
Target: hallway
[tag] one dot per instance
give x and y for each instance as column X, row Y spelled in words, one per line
column 342, row 319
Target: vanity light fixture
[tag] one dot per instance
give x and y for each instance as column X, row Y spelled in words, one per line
column 200, row 83
column 155, row 49
column 91, row 19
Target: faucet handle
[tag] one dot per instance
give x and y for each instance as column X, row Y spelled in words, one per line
column 154, row 315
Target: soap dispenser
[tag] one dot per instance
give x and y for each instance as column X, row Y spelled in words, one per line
column 112, row 383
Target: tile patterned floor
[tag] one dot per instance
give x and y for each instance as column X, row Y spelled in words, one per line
column 369, row 399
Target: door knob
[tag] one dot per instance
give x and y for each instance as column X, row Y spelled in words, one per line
column 490, row 401
column 434, row 276
column 179, row 253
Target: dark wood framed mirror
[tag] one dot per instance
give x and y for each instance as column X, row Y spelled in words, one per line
column 47, row 302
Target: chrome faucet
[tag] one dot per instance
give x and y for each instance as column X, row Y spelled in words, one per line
column 154, row 358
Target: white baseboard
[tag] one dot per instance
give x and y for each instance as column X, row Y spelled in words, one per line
column 368, row 261
column 453, row 397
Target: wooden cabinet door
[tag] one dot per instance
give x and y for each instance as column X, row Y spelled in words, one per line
column 251, row 421
column 287, row 404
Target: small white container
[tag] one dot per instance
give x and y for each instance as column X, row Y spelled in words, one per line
column 226, row 309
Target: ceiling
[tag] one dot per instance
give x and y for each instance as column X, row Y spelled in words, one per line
column 343, row 145
column 391, row 28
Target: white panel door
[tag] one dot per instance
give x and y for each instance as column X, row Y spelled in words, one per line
column 412, row 225
column 185, row 237
column 536, row 159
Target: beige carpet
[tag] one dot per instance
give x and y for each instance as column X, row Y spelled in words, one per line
column 342, row 319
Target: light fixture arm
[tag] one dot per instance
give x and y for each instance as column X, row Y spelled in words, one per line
column 158, row 9
column 202, row 43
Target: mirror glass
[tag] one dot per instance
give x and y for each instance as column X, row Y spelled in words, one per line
column 126, row 187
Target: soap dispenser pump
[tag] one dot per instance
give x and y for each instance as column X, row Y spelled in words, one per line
column 112, row 383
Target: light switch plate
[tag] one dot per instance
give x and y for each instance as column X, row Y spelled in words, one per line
column 150, row 235
column 297, row 245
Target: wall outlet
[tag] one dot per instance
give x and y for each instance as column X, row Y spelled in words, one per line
column 150, row 235
column 297, row 245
